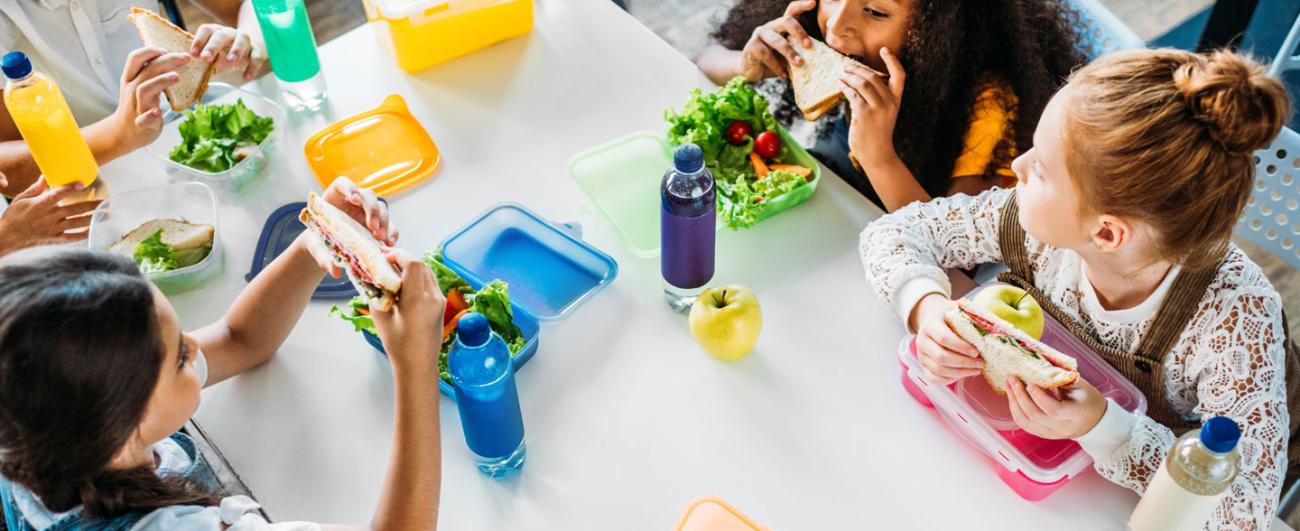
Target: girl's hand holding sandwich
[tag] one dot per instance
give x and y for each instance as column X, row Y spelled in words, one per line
column 874, row 102
column 945, row 357
column 1068, row 413
column 412, row 328
column 363, row 206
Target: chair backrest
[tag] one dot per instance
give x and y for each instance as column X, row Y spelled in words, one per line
column 1272, row 217
column 1103, row 32
column 1287, row 58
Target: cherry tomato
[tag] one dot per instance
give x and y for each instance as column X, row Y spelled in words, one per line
column 737, row 132
column 767, row 145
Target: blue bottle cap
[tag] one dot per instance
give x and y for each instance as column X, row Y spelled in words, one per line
column 1220, row 434
column 16, row 65
column 472, row 330
column 688, row 158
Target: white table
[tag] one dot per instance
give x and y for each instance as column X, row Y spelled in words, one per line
column 627, row 419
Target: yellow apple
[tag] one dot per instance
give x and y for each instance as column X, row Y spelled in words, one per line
column 726, row 321
column 1013, row 305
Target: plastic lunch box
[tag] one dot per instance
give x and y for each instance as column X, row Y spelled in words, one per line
column 621, row 180
column 240, row 177
column 424, row 33
column 1033, row 467
column 549, row 269
column 192, row 202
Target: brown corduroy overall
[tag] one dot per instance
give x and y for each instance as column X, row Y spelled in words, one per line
column 1144, row 366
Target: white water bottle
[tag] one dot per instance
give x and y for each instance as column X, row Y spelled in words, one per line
column 1192, row 480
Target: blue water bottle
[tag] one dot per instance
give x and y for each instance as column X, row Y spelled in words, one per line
column 484, row 379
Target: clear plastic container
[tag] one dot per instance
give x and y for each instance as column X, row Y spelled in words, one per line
column 1032, row 466
column 621, row 181
column 191, row 202
column 243, row 175
column 549, row 269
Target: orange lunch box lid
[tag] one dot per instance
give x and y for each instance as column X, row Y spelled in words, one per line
column 384, row 149
column 713, row 514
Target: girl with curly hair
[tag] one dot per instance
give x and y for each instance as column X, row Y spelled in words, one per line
column 967, row 80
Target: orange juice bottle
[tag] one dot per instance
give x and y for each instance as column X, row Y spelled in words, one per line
column 38, row 109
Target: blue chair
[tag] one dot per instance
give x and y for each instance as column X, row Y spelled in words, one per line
column 1103, row 32
column 1287, row 58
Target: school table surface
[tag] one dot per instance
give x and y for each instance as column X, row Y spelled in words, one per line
column 627, row 419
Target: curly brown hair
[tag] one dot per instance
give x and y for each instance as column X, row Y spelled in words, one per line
column 952, row 49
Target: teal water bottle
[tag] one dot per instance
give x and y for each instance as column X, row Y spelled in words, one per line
column 291, row 47
column 484, row 379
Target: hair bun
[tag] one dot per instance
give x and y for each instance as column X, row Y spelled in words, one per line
column 1243, row 107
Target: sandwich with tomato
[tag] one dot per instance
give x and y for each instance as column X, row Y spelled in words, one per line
column 356, row 250
column 1009, row 352
column 492, row 301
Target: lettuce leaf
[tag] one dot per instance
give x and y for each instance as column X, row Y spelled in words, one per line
column 743, row 200
column 493, row 301
column 153, row 256
column 211, row 134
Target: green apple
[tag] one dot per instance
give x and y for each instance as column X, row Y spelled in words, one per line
column 1015, row 306
column 726, row 320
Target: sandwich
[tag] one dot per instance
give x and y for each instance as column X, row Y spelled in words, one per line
column 816, row 82
column 162, row 245
column 1009, row 352
column 355, row 250
column 158, row 32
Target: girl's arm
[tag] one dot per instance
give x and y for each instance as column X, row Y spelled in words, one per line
column 1238, row 361
column 905, row 252
column 719, row 63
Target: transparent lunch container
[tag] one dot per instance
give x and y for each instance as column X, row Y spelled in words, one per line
column 246, row 172
column 1032, row 466
column 190, row 202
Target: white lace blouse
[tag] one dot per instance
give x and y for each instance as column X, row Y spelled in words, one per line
column 1228, row 361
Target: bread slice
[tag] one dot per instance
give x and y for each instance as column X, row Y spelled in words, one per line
column 356, row 250
column 1009, row 352
column 158, row 32
column 816, row 82
column 180, row 235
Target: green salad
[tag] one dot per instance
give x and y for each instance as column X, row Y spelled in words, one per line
column 216, row 137
column 738, row 134
column 153, row 256
column 492, row 300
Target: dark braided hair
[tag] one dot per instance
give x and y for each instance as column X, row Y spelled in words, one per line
column 953, row 50
column 80, row 354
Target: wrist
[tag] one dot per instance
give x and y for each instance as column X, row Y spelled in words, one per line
column 109, row 139
column 881, row 159
column 931, row 303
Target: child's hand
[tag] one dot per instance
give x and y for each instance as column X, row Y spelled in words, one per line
column 873, row 103
column 35, row 217
column 945, row 357
column 761, row 57
column 363, row 206
column 138, row 117
column 412, row 329
column 230, row 48
column 1070, row 415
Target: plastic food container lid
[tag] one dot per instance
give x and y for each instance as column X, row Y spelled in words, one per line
column 281, row 229
column 982, row 417
column 550, row 271
column 714, row 514
column 384, row 149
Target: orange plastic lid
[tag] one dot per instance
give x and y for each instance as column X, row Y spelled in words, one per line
column 384, row 149
column 714, row 514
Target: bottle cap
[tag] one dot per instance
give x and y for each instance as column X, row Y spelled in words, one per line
column 1220, row 434
column 16, row 65
column 472, row 330
column 688, row 158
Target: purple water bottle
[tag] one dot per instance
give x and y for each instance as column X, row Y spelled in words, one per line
column 687, row 227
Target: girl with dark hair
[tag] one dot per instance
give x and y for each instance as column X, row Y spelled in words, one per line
column 967, row 80
column 97, row 377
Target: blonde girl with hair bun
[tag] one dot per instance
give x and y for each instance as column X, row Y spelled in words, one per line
column 1120, row 226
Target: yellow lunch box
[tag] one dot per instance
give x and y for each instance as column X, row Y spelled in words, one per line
column 424, row 33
